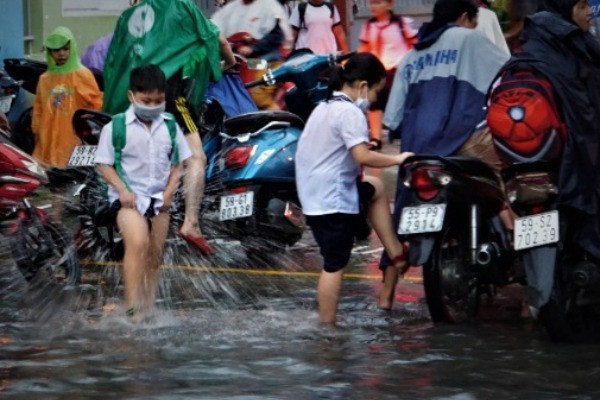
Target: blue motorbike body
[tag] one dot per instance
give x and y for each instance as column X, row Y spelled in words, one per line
column 272, row 159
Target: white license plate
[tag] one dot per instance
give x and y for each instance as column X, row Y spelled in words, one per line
column 236, row 206
column 5, row 103
column 82, row 156
column 536, row 230
column 422, row 219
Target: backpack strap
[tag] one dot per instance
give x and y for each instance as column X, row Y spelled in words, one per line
column 302, row 12
column 119, row 139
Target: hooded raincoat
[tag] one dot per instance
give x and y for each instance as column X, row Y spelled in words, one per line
column 173, row 34
column 570, row 59
column 60, row 92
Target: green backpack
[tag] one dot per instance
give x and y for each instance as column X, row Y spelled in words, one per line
column 119, row 138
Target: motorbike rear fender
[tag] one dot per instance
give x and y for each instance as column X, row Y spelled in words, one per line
column 273, row 158
column 421, row 247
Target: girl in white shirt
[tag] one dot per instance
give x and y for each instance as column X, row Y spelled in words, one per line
column 331, row 150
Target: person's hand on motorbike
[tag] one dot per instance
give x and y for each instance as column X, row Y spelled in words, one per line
column 403, row 156
column 127, row 199
column 245, row 51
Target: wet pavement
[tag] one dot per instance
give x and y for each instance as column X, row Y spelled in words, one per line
column 233, row 328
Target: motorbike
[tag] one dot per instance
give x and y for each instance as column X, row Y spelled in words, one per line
column 259, row 203
column 563, row 279
column 455, row 233
column 42, row 250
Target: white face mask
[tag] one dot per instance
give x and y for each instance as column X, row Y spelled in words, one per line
column 148, row 113
column 362, row 103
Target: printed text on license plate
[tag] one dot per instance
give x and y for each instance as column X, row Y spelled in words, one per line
column 236, row 206
column 82, row 156
column 421, row 219
column 536, row 230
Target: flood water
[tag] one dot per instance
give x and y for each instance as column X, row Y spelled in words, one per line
column 252, row 333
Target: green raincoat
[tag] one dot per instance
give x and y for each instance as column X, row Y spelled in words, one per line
column 173, row 34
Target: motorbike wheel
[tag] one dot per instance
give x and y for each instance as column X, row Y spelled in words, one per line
column 95, row 241
column 451, row 286
column 564, row 319
column 44, row 251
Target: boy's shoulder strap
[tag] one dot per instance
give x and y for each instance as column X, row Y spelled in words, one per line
column 172, row 128
column 302, row 11
column 119, row 138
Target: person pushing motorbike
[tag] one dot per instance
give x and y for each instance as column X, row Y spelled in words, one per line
column 438, row 97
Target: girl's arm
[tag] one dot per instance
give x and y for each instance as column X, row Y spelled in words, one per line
column 174, row 179
column 366, row 157
column 109, row 174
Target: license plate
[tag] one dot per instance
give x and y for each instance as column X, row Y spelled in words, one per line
column 536, row 230
column 82, row 156
column 236, row 206
column 422, row 219
column 5, row 103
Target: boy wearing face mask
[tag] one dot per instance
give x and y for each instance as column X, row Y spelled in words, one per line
column 142, row 179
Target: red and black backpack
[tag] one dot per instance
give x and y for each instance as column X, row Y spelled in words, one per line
column 524, row 118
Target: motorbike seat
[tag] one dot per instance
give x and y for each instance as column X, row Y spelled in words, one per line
column 251, row 122
column 473, row 166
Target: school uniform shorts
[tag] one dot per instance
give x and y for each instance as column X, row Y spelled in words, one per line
column 335, row 233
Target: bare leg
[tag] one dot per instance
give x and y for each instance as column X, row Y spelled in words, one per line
column 379, row 215
column 193, row 184
column 160, row 227
column 136, row 239
column 328, row 292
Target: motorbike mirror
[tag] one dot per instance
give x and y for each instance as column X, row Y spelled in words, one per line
column 257, row 63
column 88, row 124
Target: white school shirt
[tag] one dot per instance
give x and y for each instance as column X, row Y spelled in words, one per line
column 146, row 158
column 326, row 172
column 317, row 32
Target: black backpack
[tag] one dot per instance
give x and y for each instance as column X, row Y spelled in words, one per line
column 302, row 12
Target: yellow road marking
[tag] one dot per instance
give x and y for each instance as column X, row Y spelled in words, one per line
column 202, row 268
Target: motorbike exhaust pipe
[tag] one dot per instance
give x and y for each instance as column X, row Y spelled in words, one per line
column 487, row 254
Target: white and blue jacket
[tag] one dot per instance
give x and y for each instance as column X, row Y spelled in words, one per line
column 438, row 95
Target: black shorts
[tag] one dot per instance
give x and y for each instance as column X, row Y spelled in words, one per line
column 384, row 94
column 334, row 233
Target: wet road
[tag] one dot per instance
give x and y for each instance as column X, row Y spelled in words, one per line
column 233, row 328
column 252, row 333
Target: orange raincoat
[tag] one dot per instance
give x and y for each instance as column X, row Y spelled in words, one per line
column 60, row 92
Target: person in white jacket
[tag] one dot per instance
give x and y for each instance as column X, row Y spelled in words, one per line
column 489, row 26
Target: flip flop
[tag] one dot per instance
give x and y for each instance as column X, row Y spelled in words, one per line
column 199, row 242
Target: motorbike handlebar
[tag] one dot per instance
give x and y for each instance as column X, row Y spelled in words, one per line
column 254, row 83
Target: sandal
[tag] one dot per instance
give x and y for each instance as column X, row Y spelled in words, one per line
column 199, row 242
column 402, row 259
column 374, row 144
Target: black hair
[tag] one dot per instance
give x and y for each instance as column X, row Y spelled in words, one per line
column 147, row 78
column 447, row 11
column 360, row 67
